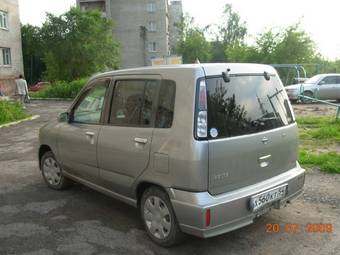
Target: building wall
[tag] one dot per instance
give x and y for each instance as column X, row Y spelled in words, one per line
column 175, row 17
column 131, row 28
column 10, row 38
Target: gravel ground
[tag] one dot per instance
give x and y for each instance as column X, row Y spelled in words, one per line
column 37, row 220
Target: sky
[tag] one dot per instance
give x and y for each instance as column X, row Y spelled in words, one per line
column 318, row 18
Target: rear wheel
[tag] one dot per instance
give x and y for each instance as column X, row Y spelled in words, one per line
column 159, row 218
column 52, row 172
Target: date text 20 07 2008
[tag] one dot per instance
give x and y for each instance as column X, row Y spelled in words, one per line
column 293, row 228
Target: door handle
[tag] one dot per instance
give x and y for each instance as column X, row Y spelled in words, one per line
column 91, row 134
column 265, row 157
column 264, row 161
column 141, row 140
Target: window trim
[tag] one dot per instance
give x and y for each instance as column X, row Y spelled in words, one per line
column 153, row 48
column 152, row 26
column 152, row 6
column 2, row 63
column 174, row 103
column 154, row 107
column 4, row 17
column 83, row 94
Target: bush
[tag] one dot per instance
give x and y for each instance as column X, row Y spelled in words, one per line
column 61, row 89
column 11, row 111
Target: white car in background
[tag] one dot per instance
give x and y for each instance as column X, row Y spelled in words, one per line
column 321, row 86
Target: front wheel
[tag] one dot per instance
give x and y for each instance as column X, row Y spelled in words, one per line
column 159, row 218
column 307, row 100
column 52, row 172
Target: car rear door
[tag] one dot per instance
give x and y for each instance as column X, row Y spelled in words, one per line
column 77, row 139
column 124, row 143
column 251, row 131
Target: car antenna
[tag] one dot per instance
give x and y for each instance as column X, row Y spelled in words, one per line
column 266, row 76
column 226, row 76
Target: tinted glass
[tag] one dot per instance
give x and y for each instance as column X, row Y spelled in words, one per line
column 338, row 80
column 133, row 103
column 90, row 107
column 166, row 104
column 328, row 80
column 245, row 105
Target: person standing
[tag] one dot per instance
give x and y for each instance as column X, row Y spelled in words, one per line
column 21, row 89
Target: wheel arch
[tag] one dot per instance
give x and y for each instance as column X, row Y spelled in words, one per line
column 143, row 186
column 42, row 150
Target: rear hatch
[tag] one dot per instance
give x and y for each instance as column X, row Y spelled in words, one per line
column 251, row 131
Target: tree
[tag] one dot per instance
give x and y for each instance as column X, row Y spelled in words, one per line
column 77, row 44
column 231, row 33
column 193, row 43
column 296, row 46
column 289, row 46
column 231, row 30
column 32, row 54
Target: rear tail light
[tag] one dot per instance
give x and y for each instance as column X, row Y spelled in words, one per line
column 207, row 217
column 202, row 116
column 202, row 124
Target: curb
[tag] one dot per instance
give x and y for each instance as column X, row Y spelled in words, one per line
column 19, row 121
column 51, row 99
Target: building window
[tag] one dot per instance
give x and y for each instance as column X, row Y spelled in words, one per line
column 6, row 57
column 152, row 47
column 151, row 7
column 152, row 26
column 3, row 20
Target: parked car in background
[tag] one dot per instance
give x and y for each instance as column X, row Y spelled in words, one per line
column 39, row 86
column 322, row 86
column 199, row 149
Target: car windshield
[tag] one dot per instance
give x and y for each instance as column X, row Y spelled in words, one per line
column 313, row 80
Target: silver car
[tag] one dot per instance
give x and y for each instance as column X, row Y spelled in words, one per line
column 322, row 86
column 198, row 149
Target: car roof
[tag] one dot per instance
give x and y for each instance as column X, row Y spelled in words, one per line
column 209, row 69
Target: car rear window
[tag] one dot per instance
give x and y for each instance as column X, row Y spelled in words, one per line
column 246, row 105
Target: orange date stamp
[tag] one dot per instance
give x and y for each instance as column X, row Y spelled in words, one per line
column 293, row 228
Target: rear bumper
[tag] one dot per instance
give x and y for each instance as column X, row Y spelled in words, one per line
column 230, row 211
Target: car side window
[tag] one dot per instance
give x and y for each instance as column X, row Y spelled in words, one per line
column 89, row 109
column 328, row 80
column 338, row 80
column 166, row 104
column 133, row 103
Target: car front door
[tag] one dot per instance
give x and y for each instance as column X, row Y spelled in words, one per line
column 77, row 140
column 124, row 143
column 327, row 88
column 337, row 88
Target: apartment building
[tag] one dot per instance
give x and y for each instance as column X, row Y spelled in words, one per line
column 11, row 62
column 141, row 26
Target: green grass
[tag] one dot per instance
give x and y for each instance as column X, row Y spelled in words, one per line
column 11, row 111
column 316, row 132
column 328, row 162
column 61, row 89
column 323, row 129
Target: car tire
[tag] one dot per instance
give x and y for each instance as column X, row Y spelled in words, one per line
column 306, row 100
column 159, row 218
column 52, row 172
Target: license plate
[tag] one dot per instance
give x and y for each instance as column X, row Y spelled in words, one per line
column 261, row 200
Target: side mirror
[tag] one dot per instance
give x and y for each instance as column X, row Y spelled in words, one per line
column 64, row 117
column 322, row 82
